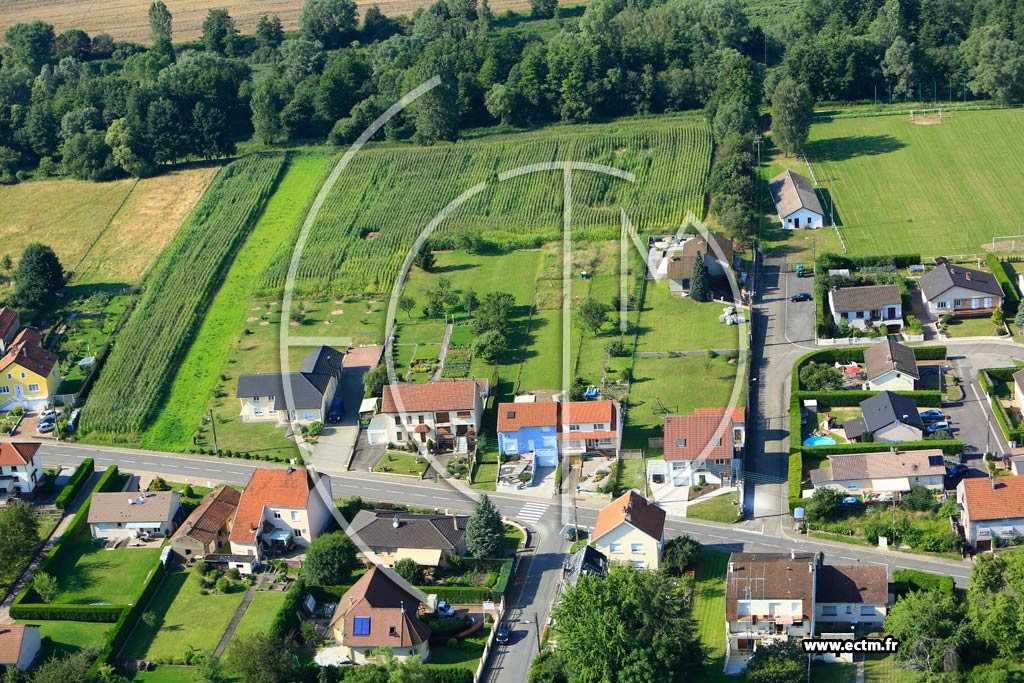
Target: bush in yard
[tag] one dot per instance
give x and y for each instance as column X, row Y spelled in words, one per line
column 187, row 491
column 330, row 560
column 202, row 568
column 919, row 498
column 223, row 584
column 485, row 532
column 679, row 554
column 45, row 586
column 824, row 506
column 159, row 484
column 410, row 570
column 820, row 377
column 316, row 428
column 775, row 662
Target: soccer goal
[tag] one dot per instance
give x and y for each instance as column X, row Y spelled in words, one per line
column 926, row 117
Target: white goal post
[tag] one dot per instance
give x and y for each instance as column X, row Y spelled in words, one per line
column 925, row 113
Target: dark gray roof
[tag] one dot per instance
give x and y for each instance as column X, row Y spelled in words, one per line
column 376, row 529
column 588, row 560
column 308, row 386
column 854, row 429
column 884, row 408
column 792, row 192
column 865, row 298
column 947, row 276
column 890, row 355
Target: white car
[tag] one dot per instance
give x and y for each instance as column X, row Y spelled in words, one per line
column 49, row 415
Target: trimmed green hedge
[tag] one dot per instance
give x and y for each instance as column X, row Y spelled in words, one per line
column 327, row 593
column 107, row 481
column 1000, row 374
column 63, row 612
column 1011, row 297
column 460, row 594
column 286, row 620
column 837, row 399
column 449, row 675
column 78, row 479
column 504, row 577
column 119, row 634
column 907, row 580
column 819, row 452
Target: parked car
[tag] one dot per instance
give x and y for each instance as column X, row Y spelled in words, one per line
column 932, row 415
column 957, row 470
column 445, row 609
column 502, row 634
column 574, row 534
column 46, row 427
column 337, row 410
column 936, row 426
column 802, row 296
column 50, row 413
column 73, row 420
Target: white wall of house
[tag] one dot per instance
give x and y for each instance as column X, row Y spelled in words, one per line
column 802, row 218
column 25, row 477
column 958, row 299
column 122, row 530
column 898, row 431
column 625, row 544
column 847, row 613
column 858, row 487
column 1018, row 395
column 890, row 314
column 894, row 380
column 401, row 429
column 259, row 409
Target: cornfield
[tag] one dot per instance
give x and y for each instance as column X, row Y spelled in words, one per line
column 388, row 195
column 177, row 293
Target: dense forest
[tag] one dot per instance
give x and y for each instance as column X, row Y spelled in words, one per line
column 88, row 107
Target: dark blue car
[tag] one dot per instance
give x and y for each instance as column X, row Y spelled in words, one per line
column 337, row 410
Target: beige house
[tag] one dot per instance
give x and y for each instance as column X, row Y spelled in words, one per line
column 429, row 540
column 891, row 366
column 852, row 595
column 19, row 646
column 208, row 528
column 377, row 611
column 955, row 290
column 121, row 516
column 280, row 509
column 447, row 413
column 886, row 474
column 630, row 530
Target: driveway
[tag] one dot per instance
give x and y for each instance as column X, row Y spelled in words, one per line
column 973, row 416
column 338, row 441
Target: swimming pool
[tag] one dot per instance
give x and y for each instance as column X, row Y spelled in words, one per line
column 820, row 441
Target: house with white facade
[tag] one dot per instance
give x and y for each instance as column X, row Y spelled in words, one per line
column 883, row 475
column 891, row 366
column 21, row 470
column 867, row 305
column 851, row 595
column 888, row 417
column 590, row 427
column 958, row 291
column 279, row 509
column 796, row 202
column 631, row 531
column 706, row 446
column 264, row 397
column 447, row 413
column 991, row 508
column 122, row 515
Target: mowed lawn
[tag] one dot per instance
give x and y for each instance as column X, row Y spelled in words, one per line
column 900, row 187
column 261, row 612
column 673, row 323
column 224, row 323
column 69, row 636
column 94, row 575
column 709, row 611
column 184, row 618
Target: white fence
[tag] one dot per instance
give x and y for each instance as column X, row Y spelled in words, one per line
column 498, row 616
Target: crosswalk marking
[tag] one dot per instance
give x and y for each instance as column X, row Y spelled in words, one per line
column 533, row 512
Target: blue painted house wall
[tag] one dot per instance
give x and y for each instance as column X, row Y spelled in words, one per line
column 543, row 441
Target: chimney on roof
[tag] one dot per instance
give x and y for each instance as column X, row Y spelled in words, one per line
column 967, row 274
column 810, row 567
column 455, row 521
column 395, row 522
column 792, row 553
column 731, row 567
column 291, row 469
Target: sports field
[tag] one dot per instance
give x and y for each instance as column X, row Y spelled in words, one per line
column 901, row 187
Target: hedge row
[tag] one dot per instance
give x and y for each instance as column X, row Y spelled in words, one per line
column 837, row 399
column 831, row 261
column 107, row 481
column 78, row 479
column 796, row 461
column 1011, row 297
column 998, row 374
column 130, row 616
column 449, row 675
column 907, row 580
column 948, row 447
column 286, row 621
column 460, row 594
column 504, row 577
column 434, row 672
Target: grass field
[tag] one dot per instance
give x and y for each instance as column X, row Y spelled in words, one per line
column 672, row 323
column 709, row 611
column 69, row 636
column 109, row 233
column 261, row 612
column 184, row 618
column 94, row 575
column 833, row 673
column 389, row 194
column 718, row 509
column 937, row 189
column 199, row 372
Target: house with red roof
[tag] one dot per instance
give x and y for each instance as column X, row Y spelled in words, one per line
column 590, row 427
column 631, row 530
column 29, row 374
column 991, row 508
column 10, row 323
column 20, row 470
column 279, row 509
column 20, row 645
column 707, row 445
column 446, row 413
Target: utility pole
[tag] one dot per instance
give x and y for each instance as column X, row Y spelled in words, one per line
column 213, row 426
column 536, row 622
column 758, row 142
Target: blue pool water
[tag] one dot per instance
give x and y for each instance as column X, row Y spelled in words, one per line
column 819, row 441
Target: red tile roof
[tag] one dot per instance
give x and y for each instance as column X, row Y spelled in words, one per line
column 11, row 637
column 389, row 608
column 689, row 437
column 582, row 412
column 29, row 334
column 633, row 508
column 275, row 487
column 437, row 396
column 212, row 515
column 1002, row 500
column 739, row 413
column 29, row 356
column 17, row 453
column 769, row 576
column 8, row 321
column 515, row 416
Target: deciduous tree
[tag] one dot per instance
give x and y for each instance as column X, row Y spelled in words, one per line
column 160, row 22
column 331, row 22
column 219, row 32
column 778, row 662
column 792, row 108
column 330, row 559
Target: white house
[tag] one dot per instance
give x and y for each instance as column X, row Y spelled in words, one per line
column 858, row 306
column 20, row 470
column 884, row 474
column 796, row 202
column 19, row 645
column 707, row 445
column 446, row 412
column 891, row 366
column 1018, row 388
column 122, row 515
column 590, row 427
column 631, row 530
column 955, row 290
column 889, row 417
column 279, row 509
column 991, row 507
column 852, row 595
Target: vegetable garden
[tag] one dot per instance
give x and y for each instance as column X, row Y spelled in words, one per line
column 177, row 294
